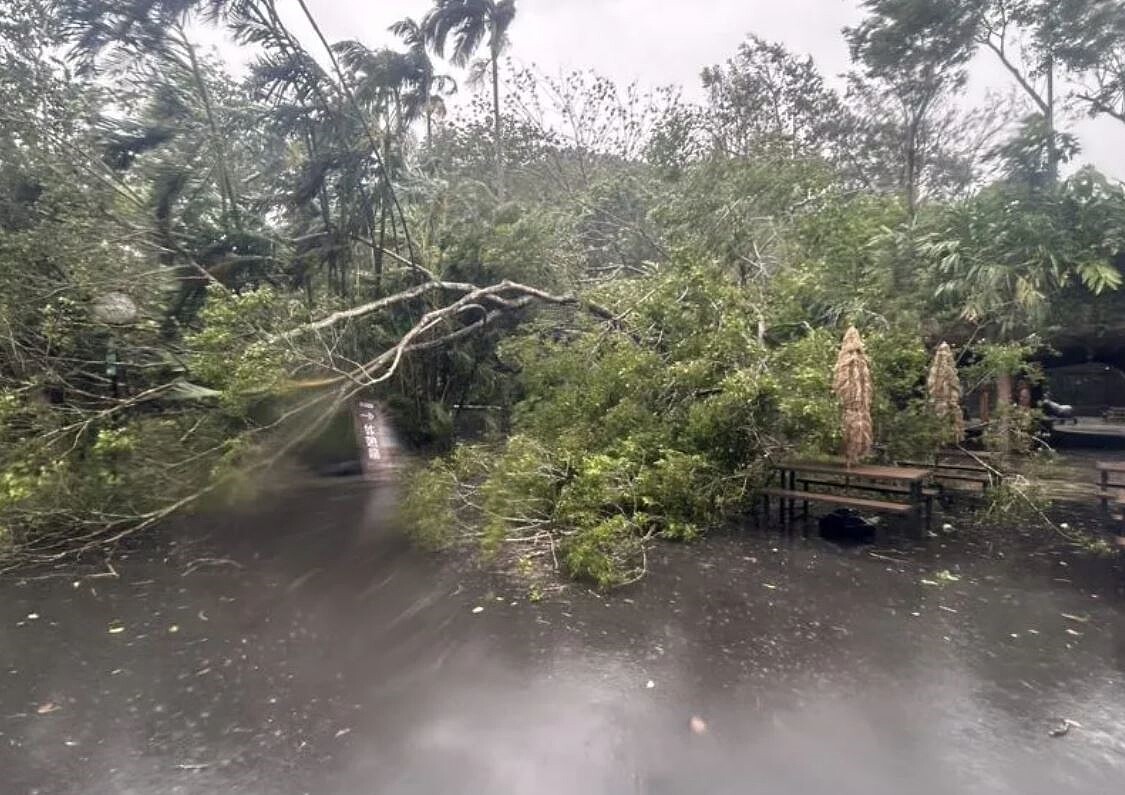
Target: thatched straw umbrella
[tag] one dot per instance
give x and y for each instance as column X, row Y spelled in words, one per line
column 945, row 393
column 852, row 384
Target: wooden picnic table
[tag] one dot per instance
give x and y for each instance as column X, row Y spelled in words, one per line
column 967, row 471
column 859, row 477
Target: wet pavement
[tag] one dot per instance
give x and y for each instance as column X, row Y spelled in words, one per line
column 304, row 647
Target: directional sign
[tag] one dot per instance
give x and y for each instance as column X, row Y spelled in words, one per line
column 376, row 446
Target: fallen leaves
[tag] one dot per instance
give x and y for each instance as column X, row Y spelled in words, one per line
column 941, row 578
column 1064, row 727
column 47, row 708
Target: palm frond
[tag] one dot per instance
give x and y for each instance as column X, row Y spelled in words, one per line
column 478, row 72
column 502, row 17
column 95, row 26
column 466, row 21
column 444, row 84
column 411, row 33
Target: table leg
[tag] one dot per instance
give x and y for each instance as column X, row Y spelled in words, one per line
column 1105, row 489
column 916, row 500
column 781, row 509
column 792, row 487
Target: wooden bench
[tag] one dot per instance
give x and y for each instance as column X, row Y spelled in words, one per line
column 881, row 489
column 1111, row 482
column 927, row 493
column 1114, row 414
column 959, row 473
column 879, row 506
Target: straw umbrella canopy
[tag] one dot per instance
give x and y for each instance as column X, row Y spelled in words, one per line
column 945, row 393
column 852, row 385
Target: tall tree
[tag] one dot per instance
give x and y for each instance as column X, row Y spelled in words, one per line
column 469, row 23
column 1095, row 52
column 427, row 86
column 382, row 80
column 913, row 54
column 1039, row 41
column 914, row 44
column 767, row 96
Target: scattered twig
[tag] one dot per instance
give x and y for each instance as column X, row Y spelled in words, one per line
column 199, row 563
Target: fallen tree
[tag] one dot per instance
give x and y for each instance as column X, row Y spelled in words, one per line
column 109, row 441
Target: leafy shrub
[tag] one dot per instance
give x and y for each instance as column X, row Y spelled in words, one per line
column 428, row 509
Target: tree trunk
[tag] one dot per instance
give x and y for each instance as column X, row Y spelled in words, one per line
column 496, row 125
column 1052, row 147
column 382, row 243
column 1004, row 410
column 226, row 184
column 910, row 180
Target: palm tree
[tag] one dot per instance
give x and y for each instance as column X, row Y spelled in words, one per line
column 384, row 81
column 382, row 78
column 425, row 98
column 469, row 22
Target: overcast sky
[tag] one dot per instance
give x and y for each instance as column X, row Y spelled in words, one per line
column 658, row 42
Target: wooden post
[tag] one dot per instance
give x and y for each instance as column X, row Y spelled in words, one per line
column 792, row 502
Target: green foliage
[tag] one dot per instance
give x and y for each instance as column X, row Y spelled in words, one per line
column 1017, row 502
column 605, row 552
column 231, row 352
column 808, row 411
column 1003, row 257
column 428, row 509
column 991, row 360
column 521, row 487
